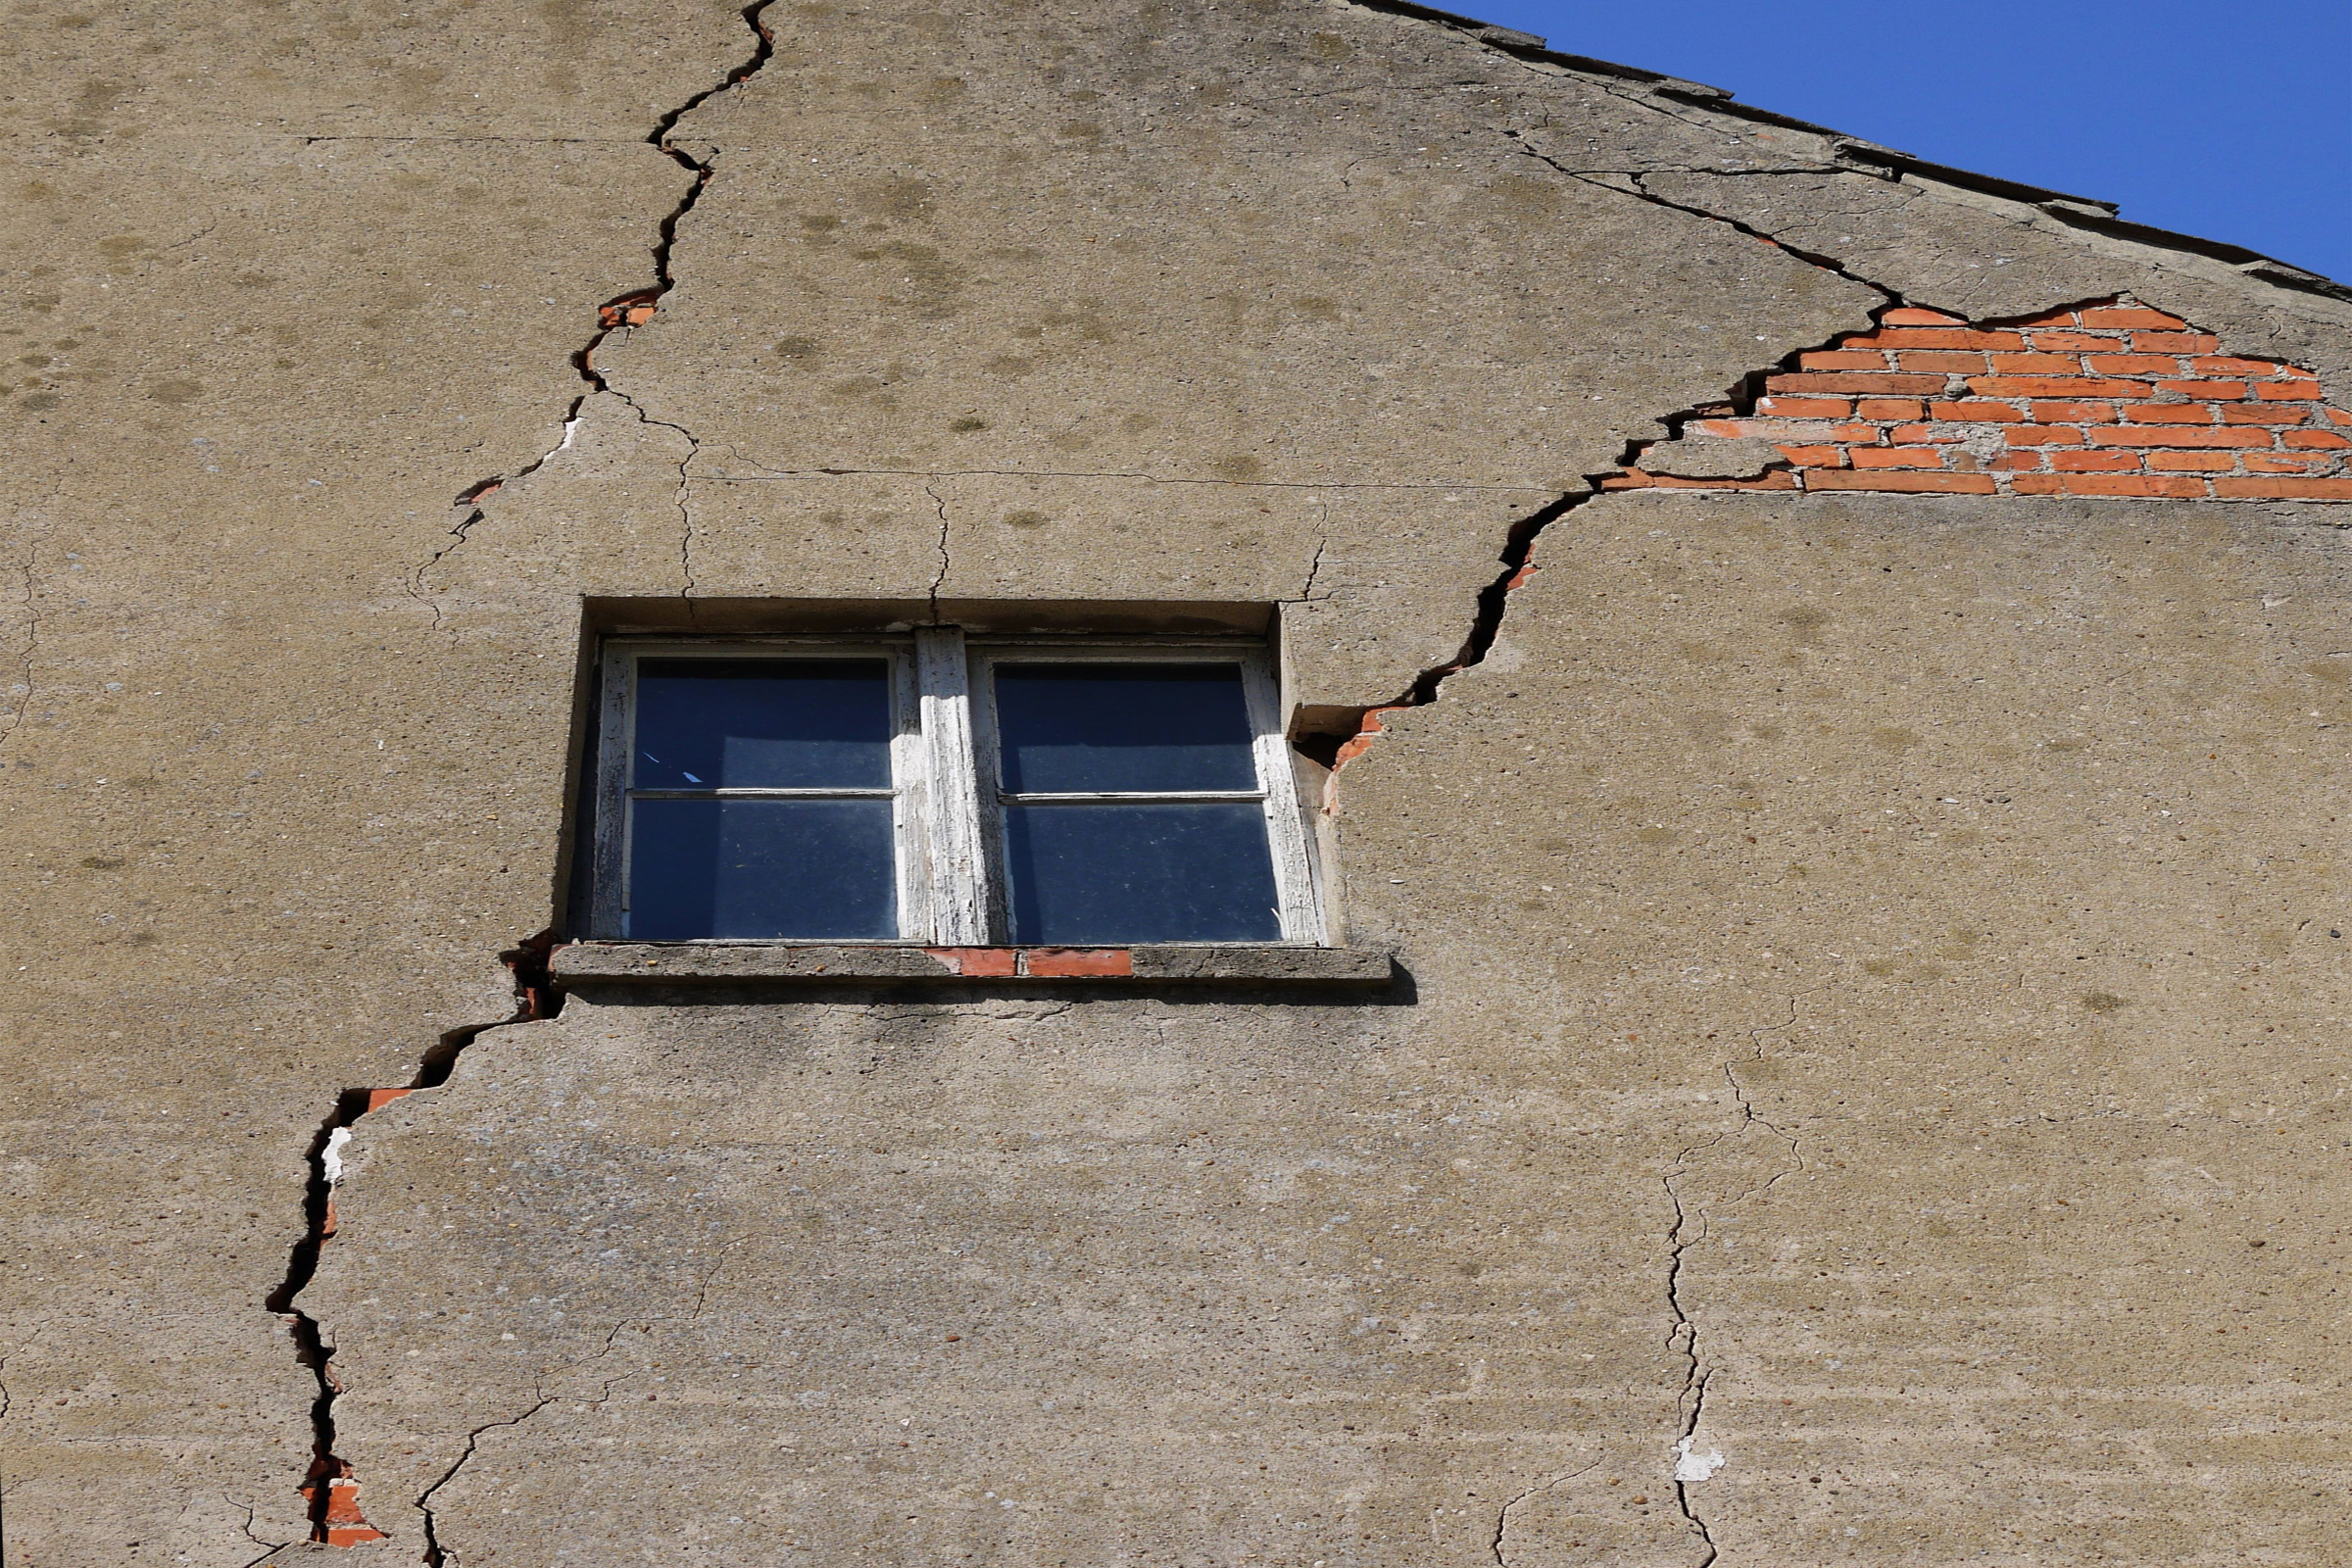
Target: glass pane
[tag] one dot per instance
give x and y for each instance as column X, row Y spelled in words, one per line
column 1141, row 873
column 761, row 868
column 1085, row 727
column 788, row 723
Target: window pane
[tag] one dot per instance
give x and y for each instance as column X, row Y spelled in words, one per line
column 761, row 868
column 789, row 723
column 1085, row 727
column 1141, row 873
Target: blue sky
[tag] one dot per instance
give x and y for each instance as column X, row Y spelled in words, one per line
column 2229, row 121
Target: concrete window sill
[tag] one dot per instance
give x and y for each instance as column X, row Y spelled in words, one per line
column 684, row 962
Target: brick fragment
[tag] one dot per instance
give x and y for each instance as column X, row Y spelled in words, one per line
column 1858, row 385
column 1630, row 479
column 1935, row 337
column 1907, row 435
column 1974, row 413
column 378, row 1098
column 1776, row 479
column 2282, row 489
column 2067, row 318
column 2075, row 413
column 1896, row 479
column 2209, row 365
column 1077, row 962
column 1819, row 457
column 1805, row 408
column 2079, row 342
column 1913, row 315
column 2179, row 487
column 2264, row 414
column 2128, row 316
column 1950, row 361
column 2055, row 386
column 979, row 962
column 1896, row 458
column 2043, row 364
column 2178, row 435
column 1841, row 360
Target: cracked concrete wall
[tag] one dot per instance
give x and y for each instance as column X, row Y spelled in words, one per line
column 1921, row 1145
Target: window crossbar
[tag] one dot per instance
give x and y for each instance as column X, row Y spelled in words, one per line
column 759, row 793
column 1126, row 797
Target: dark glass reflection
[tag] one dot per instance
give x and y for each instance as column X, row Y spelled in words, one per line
column 1114, row 874
column 780, row 723
column 761, row 868
column 1069, row 728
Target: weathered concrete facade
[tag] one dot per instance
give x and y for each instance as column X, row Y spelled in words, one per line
column 1863, row 1084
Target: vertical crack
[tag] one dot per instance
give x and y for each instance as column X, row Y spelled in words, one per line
column 623, row 311
column 534, row 998
column 21, row 700
column 939, row 577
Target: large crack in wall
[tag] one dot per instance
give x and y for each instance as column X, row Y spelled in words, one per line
column 330, row 1487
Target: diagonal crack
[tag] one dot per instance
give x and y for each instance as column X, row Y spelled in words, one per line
column 20, row 702
column 623, row 313
column 437, row 1555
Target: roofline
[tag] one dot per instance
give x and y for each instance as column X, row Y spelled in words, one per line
column 2082, row 211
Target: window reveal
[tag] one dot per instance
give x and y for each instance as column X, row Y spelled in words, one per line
column 918, row 789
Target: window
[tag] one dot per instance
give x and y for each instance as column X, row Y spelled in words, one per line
column 926, row 788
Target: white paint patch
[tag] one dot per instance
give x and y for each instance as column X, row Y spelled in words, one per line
column 330, row 1159
column 1690, row 1466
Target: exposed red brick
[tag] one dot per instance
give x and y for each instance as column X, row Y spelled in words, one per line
column 2075, row 413
column 1889, row 407
column 2177, row 487
column 2041, row 435
column 2320, row 440
column 978, row 962
column 2129, row 363
column 1971, row 484
column 1839, row 360
column 1368, row 728
column 1935, row 337
column 2193, row 462
column 2128, row 316
column 2285, row 489
column 1077, row 962
column 2036, row 484
column 1829, row 457
column 1951, row 362
column 1805, row 408
column 2024, row 462
column 2178, row 435
column 2208, row 364
column 2271, row 463
column 2173, row 343
column 1776, row 479
column 1905, row 435
column 1896, row 458
column 2264, row 414
column 1858, row 385
column 2167, row 413
column 1973, row 412
column 378, row 1098
column 1913, row 315
column 2055, row 386
column 2079, row 342
column 2095, row 462
column 1630, row 479
column 2339, row 417
column 2287, row 391
column 2211, row 391
column 2053, row 318
column 2047, row 364
column 1725, row 427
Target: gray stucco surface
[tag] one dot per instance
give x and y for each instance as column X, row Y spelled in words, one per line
column 1872, row 960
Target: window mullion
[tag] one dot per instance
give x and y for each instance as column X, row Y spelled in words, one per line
column 958, row 895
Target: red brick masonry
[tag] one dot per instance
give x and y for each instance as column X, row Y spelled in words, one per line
column 2101, row 400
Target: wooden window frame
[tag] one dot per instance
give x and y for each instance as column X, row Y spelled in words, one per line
column 948, row 808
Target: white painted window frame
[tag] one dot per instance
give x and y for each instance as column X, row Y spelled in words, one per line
column 949, row 812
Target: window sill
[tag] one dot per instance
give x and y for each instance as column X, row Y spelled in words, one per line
column 686, row 962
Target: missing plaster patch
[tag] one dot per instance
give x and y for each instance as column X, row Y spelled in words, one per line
column 1689, row 1465
column 2107, row 399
